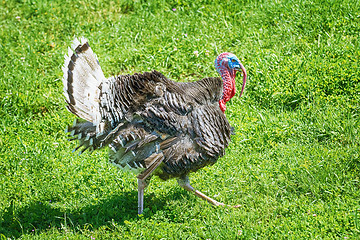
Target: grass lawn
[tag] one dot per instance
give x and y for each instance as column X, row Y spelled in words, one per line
column 293, row 165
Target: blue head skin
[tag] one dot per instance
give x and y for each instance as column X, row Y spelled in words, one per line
column 227, row 60
column 234, row 62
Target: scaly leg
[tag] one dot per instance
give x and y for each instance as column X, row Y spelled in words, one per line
column 142, row 184
column 184, row 182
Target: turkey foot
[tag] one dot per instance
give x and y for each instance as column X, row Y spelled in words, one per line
column 184, row 182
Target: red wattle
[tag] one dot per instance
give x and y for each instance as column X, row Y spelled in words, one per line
column 222, row 105
column 229, row 87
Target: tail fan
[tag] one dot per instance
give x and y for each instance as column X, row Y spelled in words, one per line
column 82, row 78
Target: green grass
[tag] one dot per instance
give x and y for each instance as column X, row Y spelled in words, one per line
column 293, row 165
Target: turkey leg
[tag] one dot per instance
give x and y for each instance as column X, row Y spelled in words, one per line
column 142, row 184
column 184, row 182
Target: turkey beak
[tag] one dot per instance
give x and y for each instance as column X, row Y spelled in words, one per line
column 244, row 77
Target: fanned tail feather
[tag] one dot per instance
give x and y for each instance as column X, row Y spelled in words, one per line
column 82, row 78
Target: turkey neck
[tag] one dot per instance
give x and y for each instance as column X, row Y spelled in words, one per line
column 229, row 88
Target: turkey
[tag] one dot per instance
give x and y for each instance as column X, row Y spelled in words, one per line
column 152, row 125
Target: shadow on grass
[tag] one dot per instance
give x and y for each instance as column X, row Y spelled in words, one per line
column 16, row 221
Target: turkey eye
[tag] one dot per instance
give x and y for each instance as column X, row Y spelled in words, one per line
column 233, row 60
